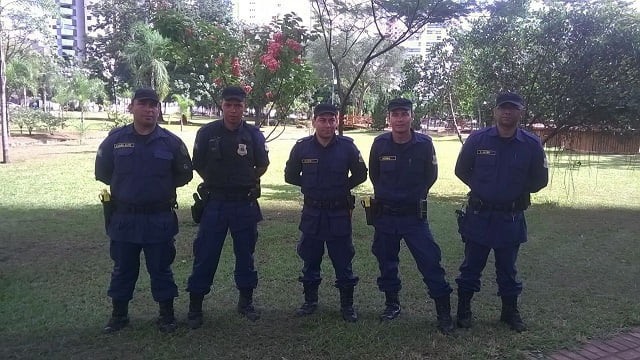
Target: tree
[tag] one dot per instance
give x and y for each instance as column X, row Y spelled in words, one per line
column 184, row 103
column 21, row 21
column 23, row 74
column 276, row 71
column 201, row 54
column 145, row 54
column 391, row 22
column 84, row 89
column 114, row 22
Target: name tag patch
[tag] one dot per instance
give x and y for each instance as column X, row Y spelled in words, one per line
column 123, row 145
column 485, row 152
column 309, row 161
column 388, row 158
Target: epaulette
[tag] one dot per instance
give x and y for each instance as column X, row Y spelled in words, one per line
column 115, row 130
column 304, row 139
column 530, row 135
column 344, row 138
column 423, row 137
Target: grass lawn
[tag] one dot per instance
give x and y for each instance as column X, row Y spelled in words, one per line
column 580, row 269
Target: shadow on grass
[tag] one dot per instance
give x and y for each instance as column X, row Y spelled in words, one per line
column 579, row 270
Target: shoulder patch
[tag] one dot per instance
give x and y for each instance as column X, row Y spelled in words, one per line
column 307, row 138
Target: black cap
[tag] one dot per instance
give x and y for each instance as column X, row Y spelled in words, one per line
column 511, row 98
column 145, row 94
column 400, row 103
column 324, row 108
column 233, row 93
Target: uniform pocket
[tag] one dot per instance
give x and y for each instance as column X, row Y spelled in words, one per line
column 309, row 174
column 162, row 226
column 340, row 225
column 161, row 162
column 123, row 160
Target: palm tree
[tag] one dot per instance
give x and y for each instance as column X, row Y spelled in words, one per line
column 23, row 74
column 184, row 103
column 145, row 54
column 83, row 89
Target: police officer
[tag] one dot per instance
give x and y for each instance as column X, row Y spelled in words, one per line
column 403, row 168
column 230, row 156
column 320, row 165
column 143, row 163
column 502, row 165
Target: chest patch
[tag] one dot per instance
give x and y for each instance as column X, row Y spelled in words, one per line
column 123, row 145
column 309, row 161
column 388, row 158
column 485, row 152
column 242, row 149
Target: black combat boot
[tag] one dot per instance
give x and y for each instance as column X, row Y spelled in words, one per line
column 119, row 316
column 392, row 309
column 245, row 304
column 511, row 315
column 310, row 304
column 464, row 309
column 167, row 320
column 443, row 310
column 346, row 305
column 194, row 317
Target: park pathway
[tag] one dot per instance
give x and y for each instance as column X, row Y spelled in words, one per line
column 624, row 346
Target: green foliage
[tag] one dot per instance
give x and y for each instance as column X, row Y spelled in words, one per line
column 50, row 122
column 145, row 54
column 343, row 24
column 117, row 118
column 574, row 63
column 32, row 119
column 25, row 118
column 379, row 114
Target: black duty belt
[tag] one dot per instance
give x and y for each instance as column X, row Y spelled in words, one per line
column 478, row 204
column 145, row 209
column 231, row 196
column 327, row 204
column 399, row 210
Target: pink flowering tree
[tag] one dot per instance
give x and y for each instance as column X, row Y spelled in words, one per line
column 278, row 73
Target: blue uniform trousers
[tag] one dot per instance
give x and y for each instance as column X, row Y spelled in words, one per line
column 126, row 258
column 219, row 217
column 416, row 234
column 475, row 259
column 333, row 228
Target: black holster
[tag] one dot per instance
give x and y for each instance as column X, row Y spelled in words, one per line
column 200, row 199
column 108, row 208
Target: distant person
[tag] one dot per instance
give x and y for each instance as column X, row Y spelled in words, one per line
column 502, row 165
column 326, row 166
column 403, row 168
column 143, row 164
column 230, row 156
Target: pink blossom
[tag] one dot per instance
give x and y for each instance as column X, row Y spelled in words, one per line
column 278, row 37
column 218, row 60
column 270, row 62
column 218, row 81
column 274, row 48
column 297, row 60
column 247, row 89
column 269, row 95
column 235, row 66
column 294, row 45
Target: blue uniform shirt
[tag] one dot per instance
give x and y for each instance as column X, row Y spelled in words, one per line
column 499, row 170
column 143, row 172
column 323, row 172
column 227, row 160
column 402, row 173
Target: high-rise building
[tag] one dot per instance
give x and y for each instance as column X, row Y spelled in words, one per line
column 422, row 42
column 261, row 12
column 71, row 27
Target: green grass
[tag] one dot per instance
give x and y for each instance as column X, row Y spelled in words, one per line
column 579, row 269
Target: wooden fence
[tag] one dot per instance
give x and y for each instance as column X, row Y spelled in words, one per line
column 592, row 141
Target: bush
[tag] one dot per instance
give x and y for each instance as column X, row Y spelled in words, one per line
column 50, row 122
column 117, row 119
column 25, row 118
column 379, row 115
